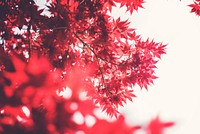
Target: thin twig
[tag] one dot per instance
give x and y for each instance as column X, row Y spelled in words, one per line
column 29, row 42
column 88, row 46
column 98, row 57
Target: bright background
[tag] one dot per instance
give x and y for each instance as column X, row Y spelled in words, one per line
column 175, row 95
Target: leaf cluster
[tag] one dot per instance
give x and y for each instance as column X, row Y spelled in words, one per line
column 92, row 51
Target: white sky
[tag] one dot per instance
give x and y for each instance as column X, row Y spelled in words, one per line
column 175, row 96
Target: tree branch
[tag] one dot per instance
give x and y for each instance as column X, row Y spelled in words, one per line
column 88, row 46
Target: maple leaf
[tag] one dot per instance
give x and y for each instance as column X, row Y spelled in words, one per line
column 17, row 77
column 118, row 126
column 121, row 29
column 131, row 5
column 195, row 7
column 156, row 126
column 108, row 5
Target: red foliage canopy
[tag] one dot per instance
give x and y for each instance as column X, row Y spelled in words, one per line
column 73, row 46
column 81, row 34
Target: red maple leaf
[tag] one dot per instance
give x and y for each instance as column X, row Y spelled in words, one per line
column 131, row 4
column 195, row 7
column 116, row 127
column 17, row 77
column 156, row 126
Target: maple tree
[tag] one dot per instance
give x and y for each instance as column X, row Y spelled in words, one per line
column 50, row 57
